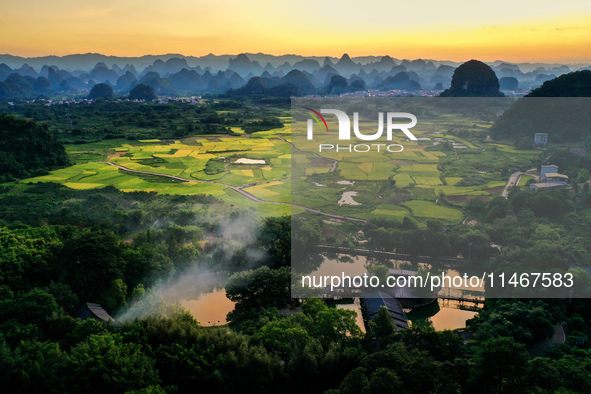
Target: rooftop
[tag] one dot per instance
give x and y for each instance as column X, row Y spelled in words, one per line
column 556, row 175
column 94, row 311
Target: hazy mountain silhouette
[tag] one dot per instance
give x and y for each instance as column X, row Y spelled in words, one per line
column 173, row 74
column 473, row 79
column 509, row 83
column 400, row 81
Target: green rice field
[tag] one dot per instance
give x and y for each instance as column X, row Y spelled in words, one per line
column 416, row 182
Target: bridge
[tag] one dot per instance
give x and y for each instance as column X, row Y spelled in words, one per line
column 446, row 261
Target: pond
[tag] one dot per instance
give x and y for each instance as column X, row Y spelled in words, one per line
column 210, row 309
column 443, row 315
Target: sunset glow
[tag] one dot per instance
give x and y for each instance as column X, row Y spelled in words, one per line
column 457, row 30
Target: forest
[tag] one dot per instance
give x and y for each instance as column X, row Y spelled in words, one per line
column 62, row 247
column 105, row 120
column 28, row 149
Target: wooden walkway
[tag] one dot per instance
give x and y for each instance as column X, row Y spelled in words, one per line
column 446, row 261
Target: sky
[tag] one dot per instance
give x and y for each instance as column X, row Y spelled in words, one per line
column 458, row 30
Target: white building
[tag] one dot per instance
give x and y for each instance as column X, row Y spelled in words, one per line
column 541, row 138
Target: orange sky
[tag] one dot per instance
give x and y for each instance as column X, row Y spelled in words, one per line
column 521, row 30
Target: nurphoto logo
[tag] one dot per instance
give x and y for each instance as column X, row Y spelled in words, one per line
column 392, row 124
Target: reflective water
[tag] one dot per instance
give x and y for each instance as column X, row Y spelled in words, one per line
column 442, row 315
column 210, row 309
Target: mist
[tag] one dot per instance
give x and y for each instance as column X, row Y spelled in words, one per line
column 235, row 238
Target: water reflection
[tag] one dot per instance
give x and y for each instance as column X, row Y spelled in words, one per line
column 442, row 315
column 210, row 309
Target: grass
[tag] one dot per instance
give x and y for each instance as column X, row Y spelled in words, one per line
column 428, row 209
column 427, row 180
column 391, row 211
column 403, row 180
column 524, row 179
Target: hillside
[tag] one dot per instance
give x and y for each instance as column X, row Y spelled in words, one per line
column 27, row 149
column 567, row 117
column 576, row 84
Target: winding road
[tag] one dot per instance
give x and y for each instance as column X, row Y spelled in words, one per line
column 514, row 179
column 556, row 339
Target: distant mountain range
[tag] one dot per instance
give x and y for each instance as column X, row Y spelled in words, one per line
column 173, row 74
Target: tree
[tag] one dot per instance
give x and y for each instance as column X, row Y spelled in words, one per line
column 583, row 175
column 260, row 288
column 527, row 323
column 501, row 362
column 330, row 324
column 90, row 261
column 27, row 148
column 35, row 306
column 383, row 325
column 524, row 143
column 104, row 363
column 441, row 345
column 275, row 238
column 355, row 381
column 379, row 270
column 282, row 336
column 475, row 244
column 497, row 207
column 115, row 295
column 33, row 367
column 64, row 296
column 382, row 381
column 476, row 205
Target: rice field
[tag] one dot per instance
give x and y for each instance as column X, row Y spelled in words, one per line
column 428, row 209
column 387, row 184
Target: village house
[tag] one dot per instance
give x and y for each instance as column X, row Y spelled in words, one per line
column 541, row 138
column 552, row 179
